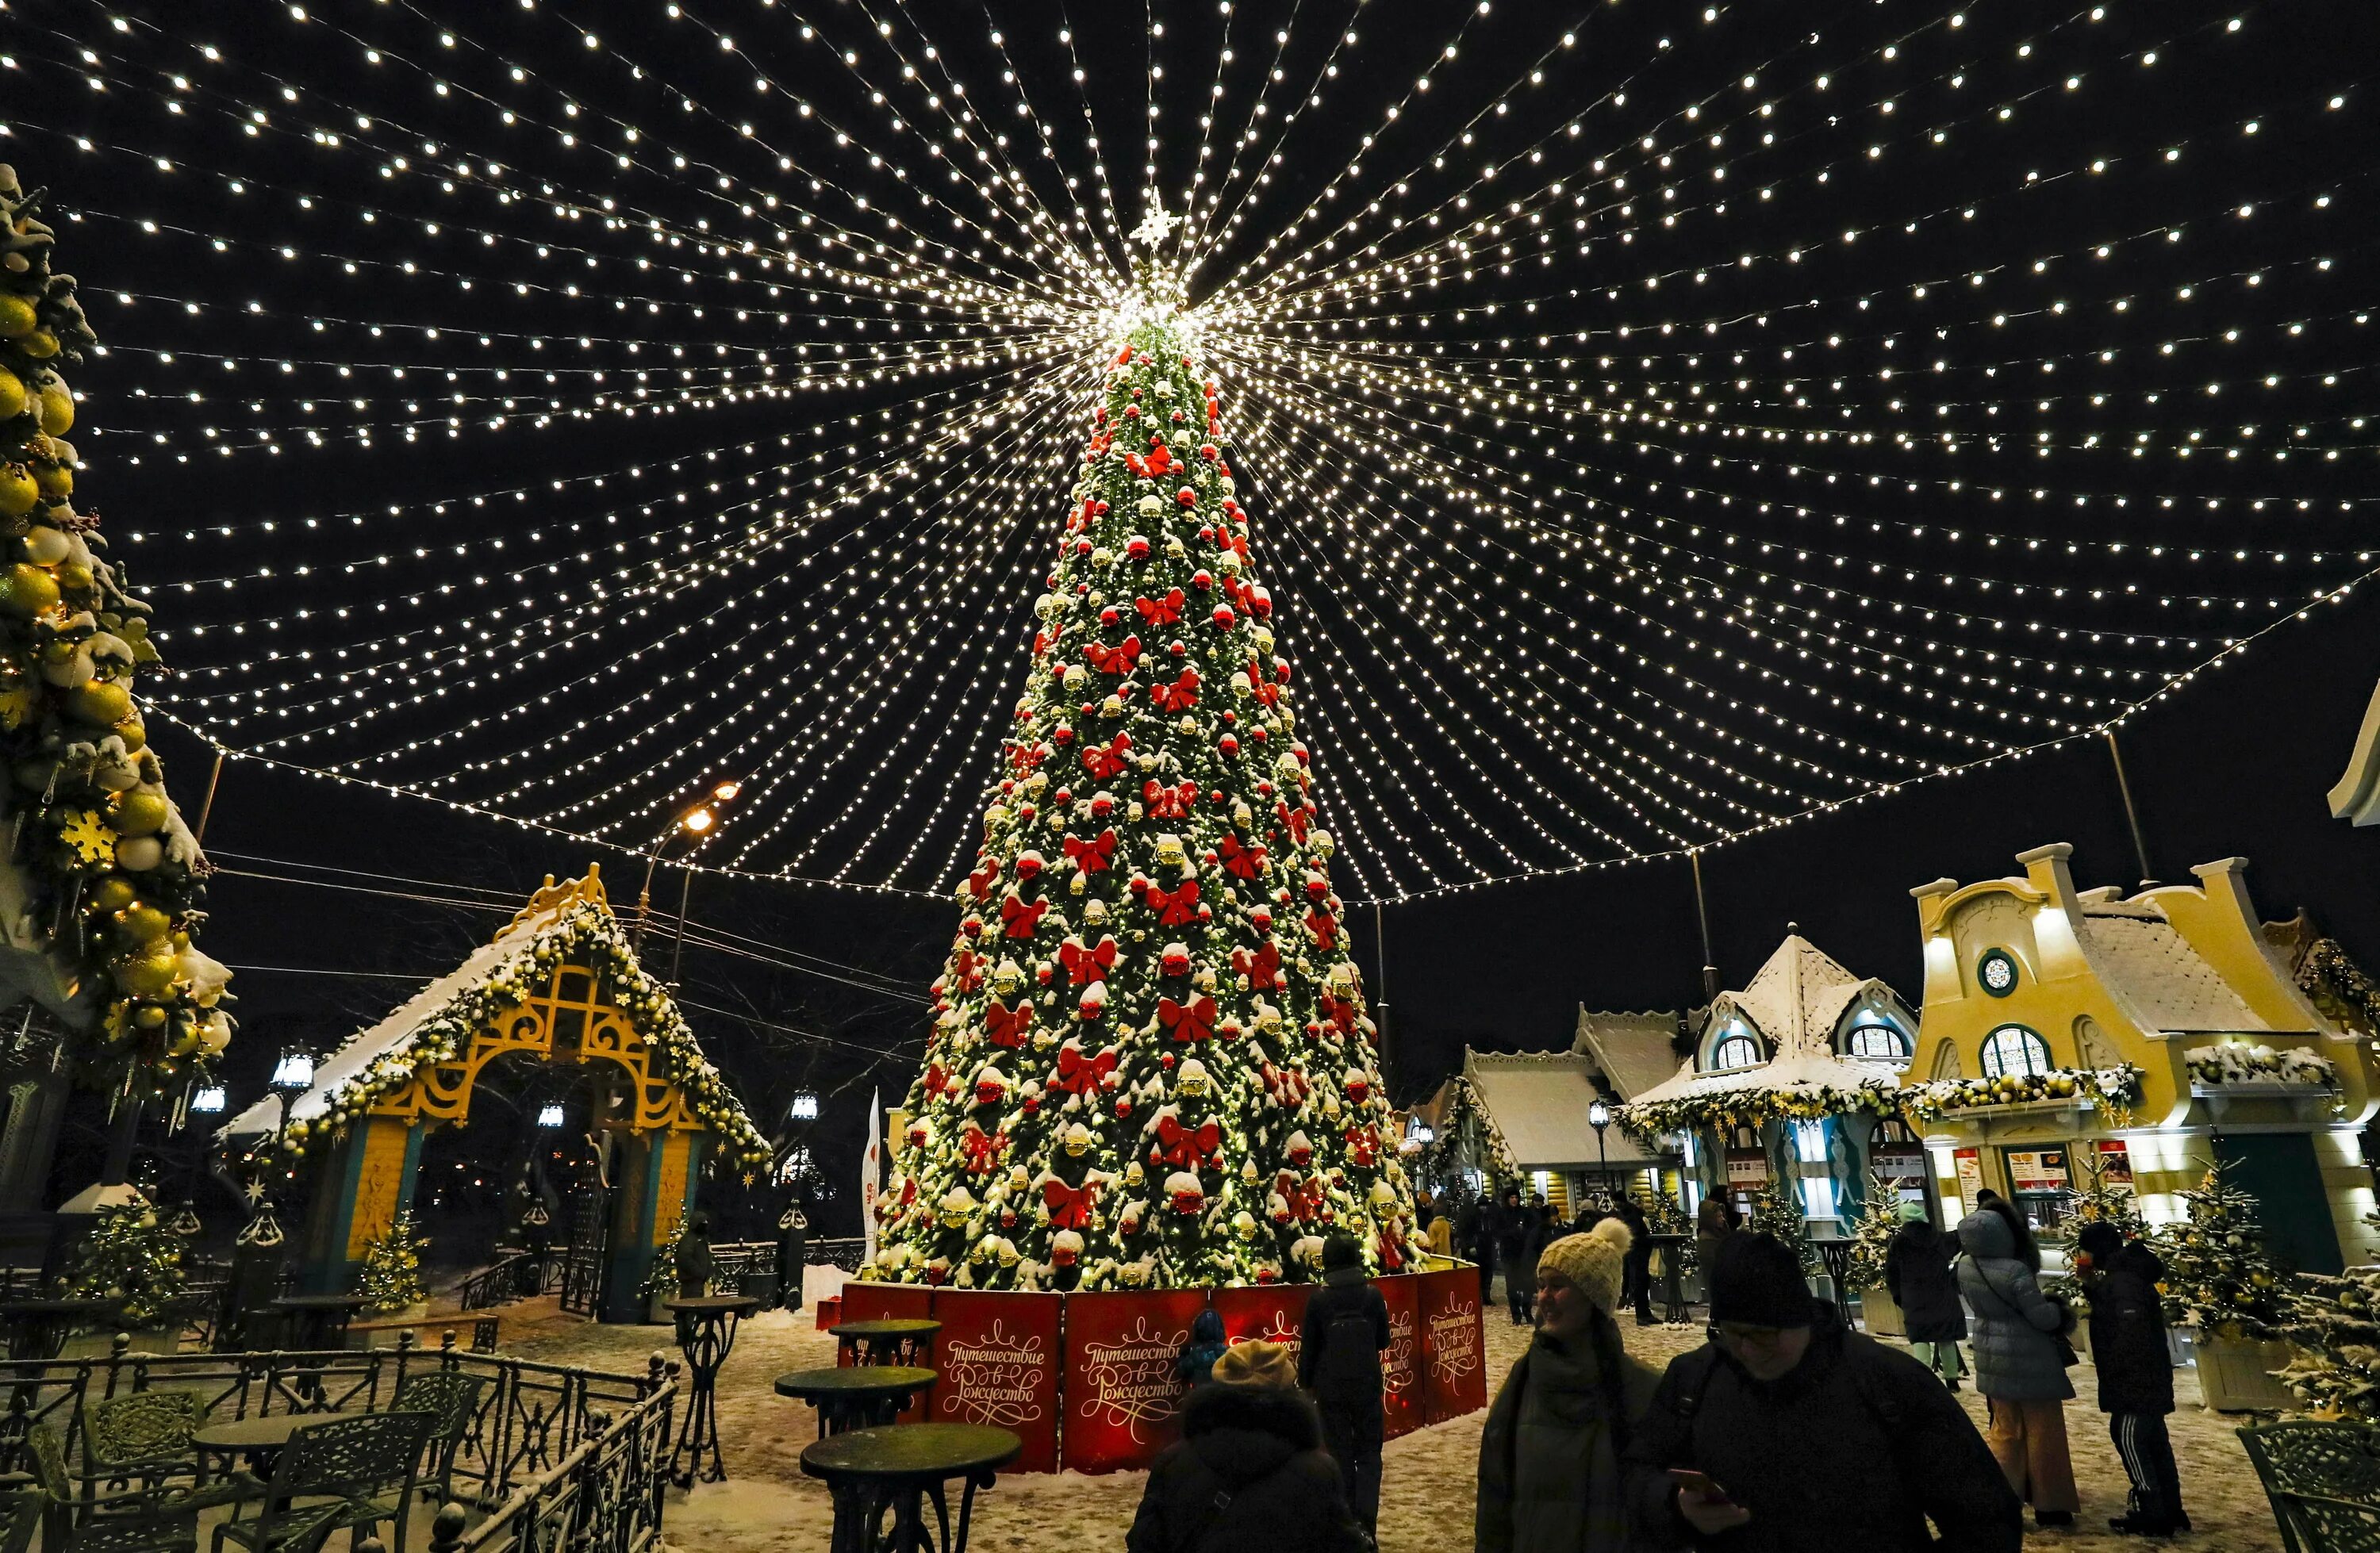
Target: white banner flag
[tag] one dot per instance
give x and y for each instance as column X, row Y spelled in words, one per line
column 872, row 1171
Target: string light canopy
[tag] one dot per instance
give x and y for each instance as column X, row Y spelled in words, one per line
column 1661, row 423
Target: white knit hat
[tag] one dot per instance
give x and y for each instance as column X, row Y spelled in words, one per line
column 1591, row 1263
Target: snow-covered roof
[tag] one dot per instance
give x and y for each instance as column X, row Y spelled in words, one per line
column 1538, row 1100
column 1797, row 1001
column 395, row 1032
column 2150, row 969
column 1636, row 1051
column 1802, row 1071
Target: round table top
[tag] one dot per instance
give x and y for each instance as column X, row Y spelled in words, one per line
column 854, row 1380
column 319, row 1301
column 913, row 1450
column 57, row 1306
column 265, row 1432
column 713, row 1304
column 908, row 1327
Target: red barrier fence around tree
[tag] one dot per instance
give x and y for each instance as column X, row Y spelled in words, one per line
column 1088, row 1381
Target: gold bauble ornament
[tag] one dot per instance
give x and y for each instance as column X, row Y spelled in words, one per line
column 25, row 589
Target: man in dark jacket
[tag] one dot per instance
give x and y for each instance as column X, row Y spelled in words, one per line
column 1519, row 1238
column 1248, row 1470
column 1917, row 1275
column 2128, row 1349
column 1639, row 1290
column 1475, row 1236
column 1887, row 1449
column 1338, row 1365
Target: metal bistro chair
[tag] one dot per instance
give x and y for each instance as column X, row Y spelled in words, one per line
column 2323, row 1482
column 369, row 1463
column 139, row 1520
column 451, row 1398
column 21, row 1517
column 142, row 1437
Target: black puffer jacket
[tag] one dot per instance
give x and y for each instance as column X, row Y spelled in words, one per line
column 2127, row 1345
column 1857, row 1447
column 1249, row 1471
column 1917, row 1274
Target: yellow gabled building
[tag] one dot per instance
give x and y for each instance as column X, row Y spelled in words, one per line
column 2066, row 1034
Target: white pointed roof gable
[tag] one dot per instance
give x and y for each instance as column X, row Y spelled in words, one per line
column 1797, row 1002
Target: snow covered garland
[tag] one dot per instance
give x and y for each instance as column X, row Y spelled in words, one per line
column 1151, row 1065
column 584, row 934
column 2119, row 1086
column 115, row 873
column 2236, row 1062
column 1729, row 1109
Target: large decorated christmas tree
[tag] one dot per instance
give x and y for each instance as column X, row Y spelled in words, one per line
column 1150, row 1065
column 101, row 881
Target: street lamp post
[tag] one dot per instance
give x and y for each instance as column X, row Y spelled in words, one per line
column 697, row 822
column 1599, row 1116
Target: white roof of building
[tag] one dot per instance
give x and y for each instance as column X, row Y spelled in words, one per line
column 1635, row 1050
column 2164, row 982
column 1538, row 1101
column 2356, row 797
column 1796, row 1001
column 395, row 1032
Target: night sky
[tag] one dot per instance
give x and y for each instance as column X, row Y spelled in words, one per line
column 1903, row 390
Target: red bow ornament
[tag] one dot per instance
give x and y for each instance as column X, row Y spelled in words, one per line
column 1008, row 1026
column 1070, row 1207
column 934, row 1081
column 983, row 1150
column 986, row 875
column 1093, row 855
column 1121, row 658
column 1084, row 965
column 1287, row 1086
column 1105, row 760
column 1079, row 1074
column 1024, row 919
column 1323, row 925
column 1262, row 966
column 1193, row 1021
column 1174, row 906
column 1339, row 1012
column 1185, row 1147
column 1161, row 612
column 966, row 970
column 1363, row 1146
column 1245, row 861
column 1181, row 695
column 1157, row 461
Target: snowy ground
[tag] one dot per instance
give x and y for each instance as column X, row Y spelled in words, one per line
column 767, row 1504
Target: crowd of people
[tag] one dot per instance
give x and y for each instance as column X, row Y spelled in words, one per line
column 1586, row 1449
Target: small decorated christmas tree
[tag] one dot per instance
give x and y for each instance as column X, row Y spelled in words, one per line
column 132, row 1261
column 2335, row 1324
column 390, row 1279
column 1663, row 1216
column 2219, row 1276
column 2092, row 1199
column 1777, row 1210
column 1872, row 1237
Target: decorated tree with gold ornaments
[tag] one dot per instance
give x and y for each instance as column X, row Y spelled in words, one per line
column 131, row 1261
column 389, row 1278
column 101, row 868
column 1150, row 1063
column 2218, row 1274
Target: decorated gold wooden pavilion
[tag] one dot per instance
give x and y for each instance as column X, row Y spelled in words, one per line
column 560, row 984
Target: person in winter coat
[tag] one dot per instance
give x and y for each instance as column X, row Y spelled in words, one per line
column 1638, row 1289
column 1476, row 1235
column 1249, row 1470
column 1804, row 1437
column 1338, row 1365
column 1196, row 1363
column 2019, row 1366
column 1550, row 1454
column 1714, row 1222
column 1917, row 1275
column 2128, row 1349
column 1518, row 1241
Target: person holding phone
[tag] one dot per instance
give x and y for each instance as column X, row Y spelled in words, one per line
column 1550, row 1476
column 1788, row 1433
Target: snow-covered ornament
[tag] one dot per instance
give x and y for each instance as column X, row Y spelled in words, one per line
column 957, row 1207
column 1183, row 1192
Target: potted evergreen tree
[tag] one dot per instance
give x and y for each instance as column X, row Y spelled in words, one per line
column 391, row 1281
column 2221, row 1281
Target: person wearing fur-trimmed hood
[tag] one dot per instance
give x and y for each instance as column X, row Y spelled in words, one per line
column 1549, row 1456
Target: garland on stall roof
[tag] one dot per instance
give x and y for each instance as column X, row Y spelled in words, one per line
column 584, row 934
column 2238, row 1062
column 1648, row 1121
column 2118, row 1087
column 116, row 877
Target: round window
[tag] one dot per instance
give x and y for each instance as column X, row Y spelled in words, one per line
column 1997, row 972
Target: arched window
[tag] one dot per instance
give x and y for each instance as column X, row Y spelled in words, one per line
column 1876, row 1037
column 1737, row 1047
column 2014, row 1051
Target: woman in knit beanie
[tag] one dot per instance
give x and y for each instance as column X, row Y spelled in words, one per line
column 1549, row 1456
